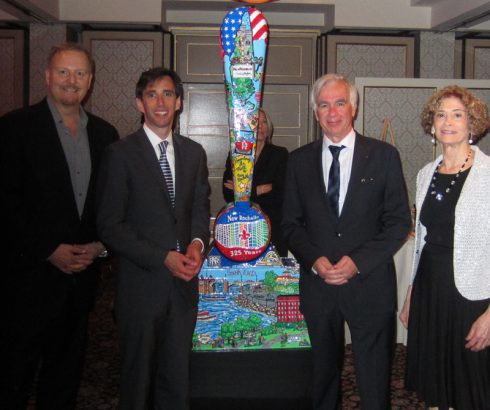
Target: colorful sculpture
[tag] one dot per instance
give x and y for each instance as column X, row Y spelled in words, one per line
column 242, row 230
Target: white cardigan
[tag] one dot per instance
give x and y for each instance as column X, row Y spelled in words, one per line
column 471, row 259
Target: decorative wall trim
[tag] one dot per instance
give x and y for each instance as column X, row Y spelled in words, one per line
column 472, row 48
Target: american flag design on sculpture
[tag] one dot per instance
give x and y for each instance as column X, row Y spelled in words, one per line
column 231, row 25
column 242, row 231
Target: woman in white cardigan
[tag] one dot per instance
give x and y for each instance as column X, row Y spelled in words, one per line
column 447, row 308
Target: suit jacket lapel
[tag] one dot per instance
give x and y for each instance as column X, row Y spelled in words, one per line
column 179, row 164
column 49, row 147
column 359, row 161
column 95, row 154
column 318, row 160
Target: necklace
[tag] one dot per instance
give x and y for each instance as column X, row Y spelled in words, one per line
column 440, row 195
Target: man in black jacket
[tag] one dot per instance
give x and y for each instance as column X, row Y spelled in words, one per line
column 50, row 154
column 345, row 216
column 153, row 211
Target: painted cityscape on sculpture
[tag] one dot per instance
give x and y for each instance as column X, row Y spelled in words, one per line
column 247, row 306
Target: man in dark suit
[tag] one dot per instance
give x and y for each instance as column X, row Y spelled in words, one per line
column 345, row 214
column 50, row 157
column 153, row 211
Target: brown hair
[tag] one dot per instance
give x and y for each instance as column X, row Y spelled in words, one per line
column 478, row 121
column 153, row 74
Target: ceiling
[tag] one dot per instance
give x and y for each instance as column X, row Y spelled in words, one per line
column 463, row 16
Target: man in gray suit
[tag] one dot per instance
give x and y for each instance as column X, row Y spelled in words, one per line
column 153, row 212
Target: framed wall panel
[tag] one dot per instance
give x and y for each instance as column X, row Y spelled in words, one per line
column 197, row 56
column 400, row 100
column 477, row 59
column 370, row 56
column 120, row 58
column 11, row 70
column 290, row 58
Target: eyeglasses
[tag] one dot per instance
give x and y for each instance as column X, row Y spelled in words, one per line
column 65, row 73
column 455, row 115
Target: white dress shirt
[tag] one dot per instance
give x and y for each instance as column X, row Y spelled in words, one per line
column 345, row 161
column 155, row 140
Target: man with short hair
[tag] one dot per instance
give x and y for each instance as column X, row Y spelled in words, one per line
column 153, row 212
column 345, row 215
column 50, row 156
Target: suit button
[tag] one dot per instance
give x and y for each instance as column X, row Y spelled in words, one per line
column 338, row 234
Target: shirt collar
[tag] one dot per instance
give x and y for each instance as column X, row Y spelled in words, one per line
column 57, row 116
column 348, row 141
column 155, row 139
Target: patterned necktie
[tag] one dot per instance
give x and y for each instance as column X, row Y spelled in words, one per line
column 167, row 172
column 334, row 179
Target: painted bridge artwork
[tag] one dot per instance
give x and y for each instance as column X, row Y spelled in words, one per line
column 247, row 306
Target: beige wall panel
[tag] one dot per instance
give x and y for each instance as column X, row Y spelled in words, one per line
column 287, row 106
column 205, row 119
column 437, row 54
column 11, row 70
column 41, row 38
column 368, row 56
column 289, row 60
column 197, row 57
column 120, row 58
column 203, row 60
column 402, row 107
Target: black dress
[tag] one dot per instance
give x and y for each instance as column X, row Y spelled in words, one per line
column 439, row 367
column 270, row 168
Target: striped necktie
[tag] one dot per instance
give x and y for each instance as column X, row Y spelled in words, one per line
column 167, row 172
column 334, row 179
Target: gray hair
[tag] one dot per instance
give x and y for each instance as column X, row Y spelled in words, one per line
column 327, row 78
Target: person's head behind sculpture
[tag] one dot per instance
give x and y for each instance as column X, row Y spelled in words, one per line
column 265, row 128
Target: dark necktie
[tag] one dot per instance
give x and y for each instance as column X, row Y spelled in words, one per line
column 167, row 173
column 334, row 179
